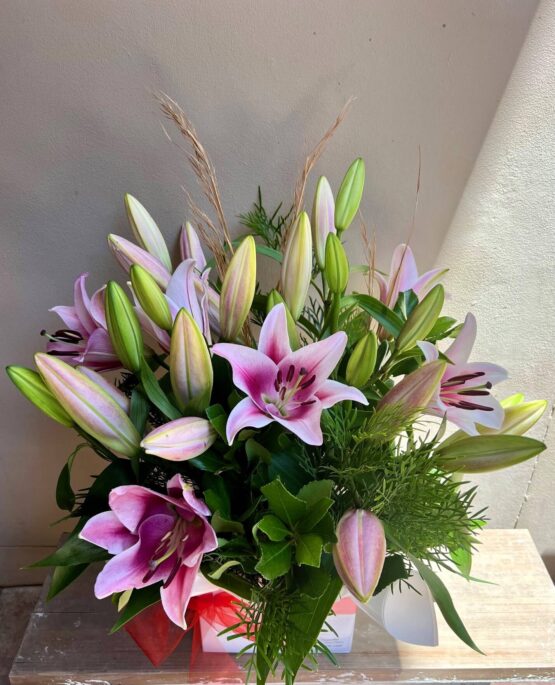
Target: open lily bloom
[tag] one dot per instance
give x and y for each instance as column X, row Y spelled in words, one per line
column 85, row 339
column 403, row 276
column 291, row 388
column 154, row 537
column 464, row 396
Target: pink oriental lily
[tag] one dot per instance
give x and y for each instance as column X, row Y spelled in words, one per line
column 464, row 396
column 291, row 388
column 403, row 275
column 154, row 537
column 85, row 338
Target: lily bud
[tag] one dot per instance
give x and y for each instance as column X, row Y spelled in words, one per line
column 89, row 405
column 483, row 453
column 417, row 389
column 190, row 365
column 362, row 360
column 115, row 393
column 275, row 298
column 422, row 319
column 359, row 553
column 180, row 439
column 123, row 327
column 336, row 269
column 150, row 297
column 190, row 246
column 127, row 254
column 323, row 211
column 349, row 195
column 238, row 289
column 296, row 269
column 146, row 231
column 30, row 384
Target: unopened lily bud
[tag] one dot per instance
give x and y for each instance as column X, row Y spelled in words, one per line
column 336, row 269
column 89, row 405
column 422, row 319
column 30, row 384
column 127, row 254
column 150, row 297
column 275, row 298
column 238, row 289
column 482, row 453
column 115, row 393
column 362, row 360
column 349, row 195
column 123, row 327
column 296, row 269
column 146, row 232
column 180, row 439
column 190, row 246
column 359, row 553
column 190, row 365
column 417, row 389
column 323, row 212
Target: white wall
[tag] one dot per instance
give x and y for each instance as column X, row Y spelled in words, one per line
column 262, row 80
column 501, row 247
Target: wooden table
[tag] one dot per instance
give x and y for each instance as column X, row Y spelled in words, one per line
column 67, row 641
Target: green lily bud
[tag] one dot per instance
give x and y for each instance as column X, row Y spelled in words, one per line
column 422, row 319
column 275, row 298
column 482, row 453
column 30, row 384
column 362, row 360
column 238, row 289
column 151, row 298
column 296, row 269
column 336, row 269
column 349, row 195
column 146, row 231
column 123, row 327
column 190, row 365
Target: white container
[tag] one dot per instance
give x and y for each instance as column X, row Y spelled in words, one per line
column 343, row 623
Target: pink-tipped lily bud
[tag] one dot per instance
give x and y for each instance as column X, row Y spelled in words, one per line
column 349, row 195
column 238, row 289
column 115, row 393
column 181, row 439
column 190, row 246
column 359, row 552
column 151, row 298
column 127, row 254
column 190, row 365
column 323, row 211
column 123, row 327
column 296, row 269
column 417, row 389
column 30, row 385
column 89, row 405
column 146, row 232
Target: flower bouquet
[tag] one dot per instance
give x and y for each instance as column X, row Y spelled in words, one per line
column 277, row 445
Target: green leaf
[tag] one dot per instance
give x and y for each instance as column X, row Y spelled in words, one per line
column 223, row 525
column 65, row 497
column 325, row 528
column 62, row 576
column 285, row 505
column 286, row 466
column 228, row 581
column 138, row 410
column 139, row 601
column 155, row 393
column 462, row 557
column 209, row 461
column 272, row 527
column 443, row 599
column 383, row 315
column 117, row 473
column 314, row 491
column 255, row 451
column 314, row 515
column 394, row 569
column 275, row 560
column 443, row 328
column 216, row 495
column 73, row 552
column 482, row 453
column 218, row 573
column 311, row 581
column 308, row 550
column 218, row 418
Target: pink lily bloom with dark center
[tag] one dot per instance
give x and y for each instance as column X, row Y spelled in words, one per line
column 154, row 537
column 464, row 396
column 85, row 339
column 289, row 387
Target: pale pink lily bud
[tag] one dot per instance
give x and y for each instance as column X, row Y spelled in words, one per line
column 417, row 389
column 296, row 270
column 180, row 439
column 323, row 211
column 127, row 254
column 238, row 289
column 115, row 393
column 89, row 405
column 146, row 232
column 359, row 553
column 190, row 246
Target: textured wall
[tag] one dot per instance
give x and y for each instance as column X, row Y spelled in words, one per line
column 501, row 246
column 262, row 80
